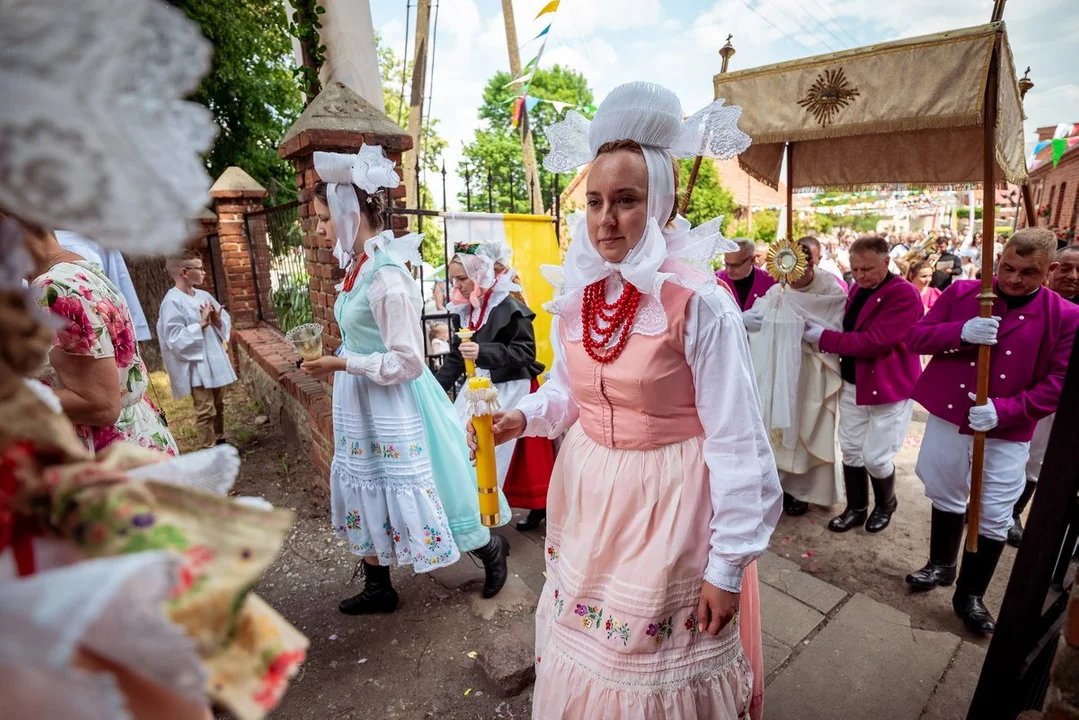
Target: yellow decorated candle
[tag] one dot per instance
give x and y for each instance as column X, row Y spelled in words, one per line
column 482, row 401
column 465, row 335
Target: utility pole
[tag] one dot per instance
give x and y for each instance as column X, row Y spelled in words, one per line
column 528, row 148
column 415, row 106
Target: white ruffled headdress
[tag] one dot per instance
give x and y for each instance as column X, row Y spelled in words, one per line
column 651, row 116
column 96, row 135
column 370, row 170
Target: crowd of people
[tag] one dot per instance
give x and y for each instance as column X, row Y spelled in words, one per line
column 895, row 341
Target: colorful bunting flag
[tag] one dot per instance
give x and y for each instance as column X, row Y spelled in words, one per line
column 548, row 8
column 531, row 102
column 518, row 80
column 1063, row 130
column 517, row 109
column 543, row 32
column 1059, row 146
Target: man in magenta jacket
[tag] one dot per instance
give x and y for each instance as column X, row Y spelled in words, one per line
column 1031, row 333
column 879, row 373
column 746, row 280
column 1064, row 281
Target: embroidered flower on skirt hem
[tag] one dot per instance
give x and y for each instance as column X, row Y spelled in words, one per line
column 399, row 523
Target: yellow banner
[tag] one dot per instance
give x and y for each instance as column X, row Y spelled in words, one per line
column 533, row 240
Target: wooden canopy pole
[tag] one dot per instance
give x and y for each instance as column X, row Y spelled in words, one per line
column 725, row 52
column 986, row 296
column 790, row 191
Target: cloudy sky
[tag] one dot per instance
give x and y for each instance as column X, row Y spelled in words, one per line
column 675, row 43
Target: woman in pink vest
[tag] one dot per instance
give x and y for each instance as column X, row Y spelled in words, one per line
column 665, row 489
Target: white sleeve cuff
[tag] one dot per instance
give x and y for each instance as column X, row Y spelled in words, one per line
column 357, row 364
column 724, row 576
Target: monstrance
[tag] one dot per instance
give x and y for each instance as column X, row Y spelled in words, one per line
column 786, row 262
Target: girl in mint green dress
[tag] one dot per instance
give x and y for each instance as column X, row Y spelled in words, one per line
column 403, row 489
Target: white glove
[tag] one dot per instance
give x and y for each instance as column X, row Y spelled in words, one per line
column 982, row 418
column 980, row 331
column 753, row 320
column 812, row 333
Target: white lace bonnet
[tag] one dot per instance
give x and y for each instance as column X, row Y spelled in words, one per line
column 370, row 170
column 96, row 137
column 650, row 115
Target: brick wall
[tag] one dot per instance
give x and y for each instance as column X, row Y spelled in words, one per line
column 295, row 401
column 1051, row 180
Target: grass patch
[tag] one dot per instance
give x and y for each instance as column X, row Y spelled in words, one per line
column 240, row 413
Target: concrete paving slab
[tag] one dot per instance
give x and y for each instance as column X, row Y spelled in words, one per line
column 514, row 596
column 456, row 576
column 524, row 559
column 867, row 663
column 784, row 618
column 952, row 698
column 775, row 654
column 786, row 576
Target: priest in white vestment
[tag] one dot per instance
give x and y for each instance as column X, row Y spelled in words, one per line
column 799, row 385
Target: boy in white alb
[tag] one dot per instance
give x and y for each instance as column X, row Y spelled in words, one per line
column 193, row 329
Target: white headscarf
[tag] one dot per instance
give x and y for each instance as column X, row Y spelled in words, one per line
column 651, row 116
column 479, row 263
column 370, row 170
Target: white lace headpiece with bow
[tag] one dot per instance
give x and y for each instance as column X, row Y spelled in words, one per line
column 96, row 135
column 651, row 116
column 369, row 170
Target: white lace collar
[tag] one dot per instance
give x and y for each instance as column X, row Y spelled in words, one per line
column 675, row 254
column 401, row 250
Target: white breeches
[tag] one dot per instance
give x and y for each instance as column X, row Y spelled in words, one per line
column 871, row 435
column 1037, row 447
column 944, row 468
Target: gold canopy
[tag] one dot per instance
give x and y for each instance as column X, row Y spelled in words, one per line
column 907, row 112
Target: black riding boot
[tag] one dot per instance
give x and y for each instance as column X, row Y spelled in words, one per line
column 535, row 517
column 793, row 506
column 495, row 571
column 884, row 503
column 378, row 595
column 974, row 576
column 946, row 535
column 1015, row 535
column 856, row 481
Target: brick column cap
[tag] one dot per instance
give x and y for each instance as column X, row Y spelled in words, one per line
column 235, row 183
column 339, row 120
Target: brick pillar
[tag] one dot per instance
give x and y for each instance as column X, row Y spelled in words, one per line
column 337, row 120
column 207, row 226
column 236, row 193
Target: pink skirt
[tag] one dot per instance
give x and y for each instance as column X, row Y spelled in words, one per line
column 616, row 626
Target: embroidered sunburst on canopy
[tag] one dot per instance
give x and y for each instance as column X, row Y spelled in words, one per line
column 909, row 112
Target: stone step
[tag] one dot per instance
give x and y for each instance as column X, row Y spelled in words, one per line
column 867, row 663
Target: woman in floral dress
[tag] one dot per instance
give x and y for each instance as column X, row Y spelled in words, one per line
column 95, row 347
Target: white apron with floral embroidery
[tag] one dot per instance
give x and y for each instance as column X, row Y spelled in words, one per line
column 402, row 487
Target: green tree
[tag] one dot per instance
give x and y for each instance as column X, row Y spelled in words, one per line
column 250, row 88
column 496, row 147
column 710, row 198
